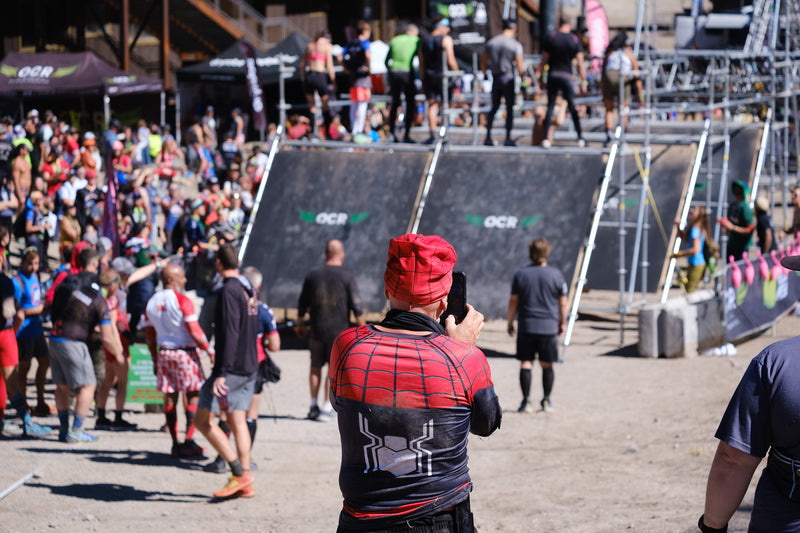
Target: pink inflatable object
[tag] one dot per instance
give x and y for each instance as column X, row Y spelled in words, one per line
column 749, row 270
column 763, row 268
column 736, row 274
column 776, row 269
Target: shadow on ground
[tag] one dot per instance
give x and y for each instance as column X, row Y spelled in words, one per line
column 131, row 457
column 109, row 492
column 631, row 350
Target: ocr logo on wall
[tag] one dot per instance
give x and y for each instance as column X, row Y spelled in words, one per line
column 502, row 221
column 332, row 218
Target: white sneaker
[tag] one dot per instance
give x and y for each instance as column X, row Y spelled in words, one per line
column 581, row 143
column 546, row 143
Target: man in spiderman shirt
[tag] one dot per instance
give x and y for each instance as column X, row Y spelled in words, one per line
column 408, row 392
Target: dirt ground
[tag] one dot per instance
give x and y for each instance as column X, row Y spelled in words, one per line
column 627, row 448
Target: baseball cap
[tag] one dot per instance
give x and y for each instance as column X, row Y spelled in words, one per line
column 103, row 245
column 91, row 238
column 197, row 203
column 419, row 269
column 117, row 146
column 792, row 262
column 33, row 113
column 444, row 22
column 742, row 185
column 123, row 265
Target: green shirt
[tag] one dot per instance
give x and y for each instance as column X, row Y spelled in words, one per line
column 740, row 214
column 402, row 49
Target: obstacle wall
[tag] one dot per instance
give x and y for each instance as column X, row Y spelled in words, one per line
column 490, row 206
column 363, row 199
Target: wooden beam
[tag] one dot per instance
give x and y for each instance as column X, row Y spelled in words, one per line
column 124, row 30
column 165, row 44
column 218, row 19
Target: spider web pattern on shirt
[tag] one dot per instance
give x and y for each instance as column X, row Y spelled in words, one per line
column 406, row 371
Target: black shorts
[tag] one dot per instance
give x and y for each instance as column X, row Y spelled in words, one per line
column 32, row 347
column 320, row 352
column 432, row 84
column 319, row 82
column 531, row 345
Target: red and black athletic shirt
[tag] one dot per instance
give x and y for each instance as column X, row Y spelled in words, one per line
column 406, row 404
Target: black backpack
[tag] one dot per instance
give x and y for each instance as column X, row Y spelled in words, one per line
column 355, row 58
column 64, row 290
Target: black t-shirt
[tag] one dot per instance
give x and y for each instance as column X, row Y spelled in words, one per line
column 764, row 224
column 236, row 329
column 562, row 48
column 539, row 288
column 86, row 202
column 329, row 293
column 78, row 306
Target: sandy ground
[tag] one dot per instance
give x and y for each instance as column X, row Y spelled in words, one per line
column 627, row 449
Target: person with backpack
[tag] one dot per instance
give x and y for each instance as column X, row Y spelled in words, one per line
column 356, row 60
column 437, row 43
column 695, row 236
column 618, row 64
column 78, row 306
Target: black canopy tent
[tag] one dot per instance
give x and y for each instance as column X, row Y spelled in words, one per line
column 71, row 74
column 227, row 69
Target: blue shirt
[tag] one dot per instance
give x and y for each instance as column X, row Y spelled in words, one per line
column 194, row 231
column 28, row 292
column 698, row 258
column 266, row 319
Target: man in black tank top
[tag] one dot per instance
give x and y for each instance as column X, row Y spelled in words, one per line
column 560, row 48
column 433, row 47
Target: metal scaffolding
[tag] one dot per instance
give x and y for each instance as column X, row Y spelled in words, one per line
column 757, row 81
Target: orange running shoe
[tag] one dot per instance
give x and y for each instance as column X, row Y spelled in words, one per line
column 248, row 492
column 235, row 484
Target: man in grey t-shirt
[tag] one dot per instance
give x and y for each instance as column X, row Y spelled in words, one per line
column 539, row 300
column 503, row 55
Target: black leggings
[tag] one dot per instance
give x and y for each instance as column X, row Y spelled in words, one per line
column 402, row 83
column 502, row 87
column 563, row 84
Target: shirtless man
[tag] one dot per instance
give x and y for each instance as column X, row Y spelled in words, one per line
column 320, row 77
column 21, row 172
column 438, row 40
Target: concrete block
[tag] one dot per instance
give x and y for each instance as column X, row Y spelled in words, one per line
column 648, row 330
column 678, row 329
column 710, row 323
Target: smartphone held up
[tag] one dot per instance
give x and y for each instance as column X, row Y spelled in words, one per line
column 457, row 298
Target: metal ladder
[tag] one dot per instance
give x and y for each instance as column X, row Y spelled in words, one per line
column 759, row 26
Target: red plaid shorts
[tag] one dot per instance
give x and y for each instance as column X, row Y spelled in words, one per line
column 179, row 370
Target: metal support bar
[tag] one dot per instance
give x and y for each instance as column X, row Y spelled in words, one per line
column 263, row 185
column 429, row 179
column 701, row 147
column 590, row 243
